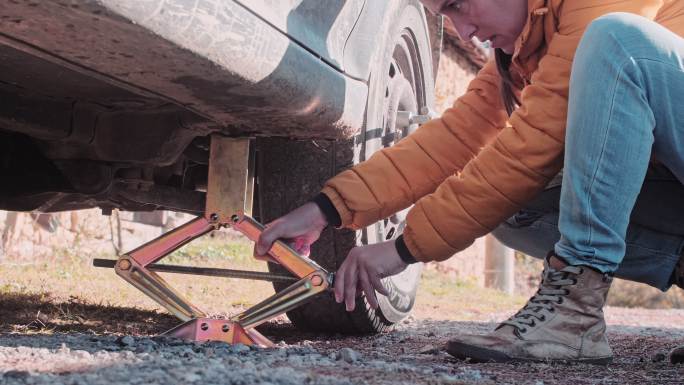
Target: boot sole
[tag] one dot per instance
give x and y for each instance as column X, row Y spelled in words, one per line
column 477, row 354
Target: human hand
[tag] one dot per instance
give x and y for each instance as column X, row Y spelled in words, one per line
column 362, row 271
column 299, row 228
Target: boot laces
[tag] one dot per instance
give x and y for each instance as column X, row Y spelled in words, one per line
column 550, row 293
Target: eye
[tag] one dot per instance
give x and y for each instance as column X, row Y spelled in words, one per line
column 456, row 6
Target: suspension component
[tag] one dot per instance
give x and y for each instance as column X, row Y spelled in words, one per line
column 224, row 208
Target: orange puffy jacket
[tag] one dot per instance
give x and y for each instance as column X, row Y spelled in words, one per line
column 470, row 169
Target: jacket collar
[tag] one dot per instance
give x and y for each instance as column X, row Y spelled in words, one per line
column 532, row 35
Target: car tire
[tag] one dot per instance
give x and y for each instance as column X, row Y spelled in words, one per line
column 290, row 172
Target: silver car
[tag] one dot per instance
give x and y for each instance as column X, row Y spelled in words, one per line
column 111, row 104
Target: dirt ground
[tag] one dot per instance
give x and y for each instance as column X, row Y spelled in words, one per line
column 64, row 322
column 411, row 354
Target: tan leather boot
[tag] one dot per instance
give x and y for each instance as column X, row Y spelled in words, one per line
column 563, row 321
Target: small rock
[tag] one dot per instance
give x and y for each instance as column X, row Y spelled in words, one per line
column 295, row 360
column 144, row 348
column 164, row 340
column 192, row 377
column 658, row 357
column 81, row 354
column 240, row 348
column 431, row 334
column 64, row 349
column 381, row 340
column 178, row 342
column 125, row 341
column 471, row 375
column 16, row 374
column 348, row 355
column 186, row 352
column 24, row 350
column 677, row 355
column 147, row 341
column 42, row 317
column 216, row 344
column 428, row 349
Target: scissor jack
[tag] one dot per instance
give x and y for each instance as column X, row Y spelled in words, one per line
column 228, row 169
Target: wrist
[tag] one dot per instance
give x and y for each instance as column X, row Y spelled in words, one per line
column 327, row 210
column 403, row 251
column 319, row 219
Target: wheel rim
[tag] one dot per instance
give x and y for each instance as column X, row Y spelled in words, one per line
column 403, row 92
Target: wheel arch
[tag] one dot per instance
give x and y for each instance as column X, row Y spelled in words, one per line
column 360, row 52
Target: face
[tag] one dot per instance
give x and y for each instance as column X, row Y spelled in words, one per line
column 499, row 21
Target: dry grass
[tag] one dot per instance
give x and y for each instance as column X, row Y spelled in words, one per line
column 67, row 276
column 65, row 292
column 441, row 297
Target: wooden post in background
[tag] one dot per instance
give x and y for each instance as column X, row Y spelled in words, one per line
column 499, row 272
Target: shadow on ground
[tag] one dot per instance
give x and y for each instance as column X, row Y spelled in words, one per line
column 41, row 313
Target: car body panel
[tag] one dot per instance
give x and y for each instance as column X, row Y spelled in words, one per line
column 227, row 65
column 321, row 26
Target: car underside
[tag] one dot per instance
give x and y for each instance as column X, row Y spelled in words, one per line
column 105, row 104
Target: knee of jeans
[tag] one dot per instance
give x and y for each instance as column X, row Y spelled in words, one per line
column 506, row 234
column 611, row 27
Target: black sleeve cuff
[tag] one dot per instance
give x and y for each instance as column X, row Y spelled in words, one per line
column 329, row 211
column 403, row 251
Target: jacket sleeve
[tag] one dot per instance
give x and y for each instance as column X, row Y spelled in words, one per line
column 396, row 177
column 515, row 166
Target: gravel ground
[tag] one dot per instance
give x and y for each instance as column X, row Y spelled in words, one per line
column 410, row 354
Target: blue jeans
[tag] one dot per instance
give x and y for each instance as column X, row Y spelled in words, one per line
column 625, row 107
column 654, row 239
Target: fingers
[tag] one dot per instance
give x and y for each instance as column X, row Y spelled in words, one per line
column 339, row 282
column 377, row 284
column 346, row 282
column 266, row 239
column 350, row 283
column 302, row 247
column 368, row 289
